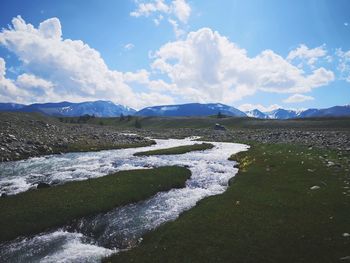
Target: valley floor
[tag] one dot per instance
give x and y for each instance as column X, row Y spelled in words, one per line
column 290, row 201
column 285, row 205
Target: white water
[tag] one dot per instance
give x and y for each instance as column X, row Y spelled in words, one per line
column 93, row 238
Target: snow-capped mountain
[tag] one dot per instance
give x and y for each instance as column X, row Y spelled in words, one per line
column 282, row 114
column 256, row 114
column 97, row 108
column 102, row 108
column 191, row 109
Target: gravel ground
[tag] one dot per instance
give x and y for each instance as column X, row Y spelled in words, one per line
column 23, row 136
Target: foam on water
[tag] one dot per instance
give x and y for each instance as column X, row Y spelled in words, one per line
column 92, row 238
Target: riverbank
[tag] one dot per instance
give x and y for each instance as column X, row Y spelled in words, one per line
column 285, row 205
column 24, row 135
column 35, row 211
column 177, row 150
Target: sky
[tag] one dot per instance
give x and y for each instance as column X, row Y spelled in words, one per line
column 249, row 54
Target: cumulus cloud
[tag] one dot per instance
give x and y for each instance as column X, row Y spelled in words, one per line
column 8, row 90
column 262, row 108
column 67, row 69
column 177, row 11
column 310, row 55
column 207, row 66
column 297, row 98
column 203, row 67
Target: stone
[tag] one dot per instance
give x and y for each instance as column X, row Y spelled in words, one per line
column 219, row 127
column 315, row 187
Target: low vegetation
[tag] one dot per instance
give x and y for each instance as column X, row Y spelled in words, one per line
column 80, row 147
column 35, row 211
column 177, row 150
column 156, row 123
column 287, row 204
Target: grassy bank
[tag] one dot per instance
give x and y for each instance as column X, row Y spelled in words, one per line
column 177, row 150
column 80, row 147
column 268, row 214
column 35, row 211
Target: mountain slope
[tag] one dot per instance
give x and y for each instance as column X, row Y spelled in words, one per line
column 336, row 111
column 282, row 114
column 10, row 106
column 97, row 108
column 256, row 114
column 191, row 109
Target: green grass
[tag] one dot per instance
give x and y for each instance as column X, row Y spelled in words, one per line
column 80, row 147
column 35, row 211
column 268, row 214
column 158, row 123
column 177, row 150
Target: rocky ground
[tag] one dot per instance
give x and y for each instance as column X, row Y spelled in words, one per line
column 329, row 139
column 26, row 135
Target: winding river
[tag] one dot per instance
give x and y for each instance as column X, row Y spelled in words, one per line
column 93, row 238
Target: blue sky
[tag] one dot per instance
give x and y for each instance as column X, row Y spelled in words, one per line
column 248, row 54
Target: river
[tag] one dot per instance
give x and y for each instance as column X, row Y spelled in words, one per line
column 92, row 238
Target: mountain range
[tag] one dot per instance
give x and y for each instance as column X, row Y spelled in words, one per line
column 282, row 114
column 191, row 109
column 102, row 108
column 69, row 109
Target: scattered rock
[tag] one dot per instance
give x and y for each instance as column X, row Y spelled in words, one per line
column 347, row 258
column 315, row 187
column 346, row 235
column 219, row 127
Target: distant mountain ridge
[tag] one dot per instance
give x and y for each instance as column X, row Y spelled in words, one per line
column 103, row 108
column 98, row 108
column 191, row 109
column 282, row 114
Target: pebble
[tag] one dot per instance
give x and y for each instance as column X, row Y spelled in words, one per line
column 315, row 187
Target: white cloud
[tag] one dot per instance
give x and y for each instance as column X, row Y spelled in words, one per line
column 203, row 67
column 346, row 23
column 208, row 67
column 344, row 64
column 307, row 54
column 297, row 98
column 129, row 46
column 9, row 92
column 146, row 9
column 27, row 81
column 262, row 108
column 182, row 10
column 176, row 11
column 177, row 30
column 65, row 69
column 141, row 76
